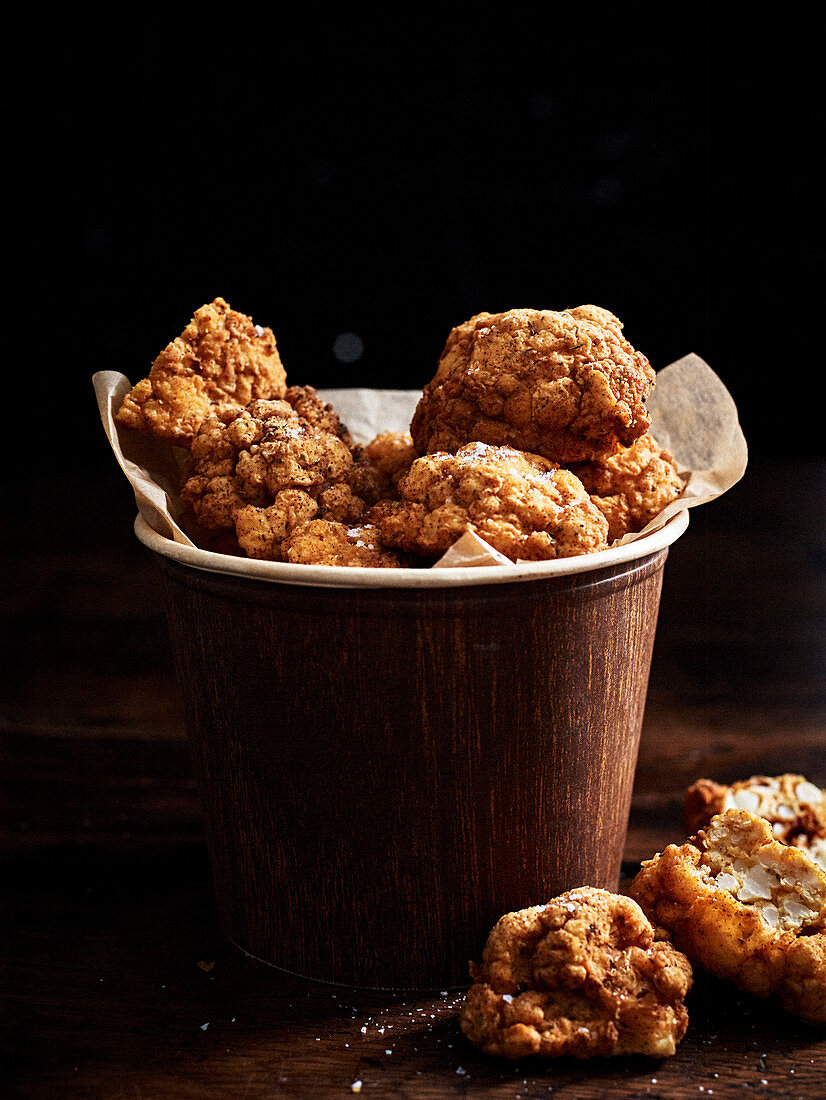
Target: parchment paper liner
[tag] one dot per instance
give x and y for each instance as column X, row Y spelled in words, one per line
column 692, row 415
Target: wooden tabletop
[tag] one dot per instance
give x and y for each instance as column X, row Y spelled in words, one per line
column 116, row 981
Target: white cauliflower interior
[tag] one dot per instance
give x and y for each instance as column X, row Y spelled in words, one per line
column 785, row 887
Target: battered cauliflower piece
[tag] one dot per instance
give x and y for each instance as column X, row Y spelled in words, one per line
column 632, row 486
column 377, row 469
column 746, row 907
column 566, row 385
column 220, row 361
column 262, row 470
column 306, row 402
column 794, row 807
column 521, row 504
column 261, row 531
column 392, row 453
column 585, row 975
column 322, row 542
column 372, row 478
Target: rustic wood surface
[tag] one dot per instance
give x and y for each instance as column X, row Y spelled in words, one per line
column 116, row 980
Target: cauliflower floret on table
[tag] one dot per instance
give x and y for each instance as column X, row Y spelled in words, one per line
column 222, row 360
column 585, row 975
column 794, row 807
column 566, row 385
column 745, row 907
column 261, row 471
column 632, row 486
column 324, row 542
column 521, row 504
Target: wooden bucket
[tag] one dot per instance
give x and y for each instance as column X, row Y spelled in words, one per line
column 387, row 770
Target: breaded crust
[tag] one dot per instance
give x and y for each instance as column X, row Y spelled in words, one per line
column 324, row 542
column 632, row 486
column 222, row 360
column 264, row 469
column 565, row 385
column 523, row 505
column 392, row 453
column 745, row 907
column 584, row 975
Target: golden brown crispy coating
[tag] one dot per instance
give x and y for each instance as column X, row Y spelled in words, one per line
column 306, row 402
column 377, row 469
column 341, row 502
column 566, row 385
column 220, row 361
column 794, row 807
column 392, row 453
column 523, row 505
column 291, row 453
column 746, row 907
column 261, row 531
column 322, row 542
column 584, row 975
column 632, row 486
column 263, row 469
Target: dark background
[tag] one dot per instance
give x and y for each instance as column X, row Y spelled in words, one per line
column 389, row 176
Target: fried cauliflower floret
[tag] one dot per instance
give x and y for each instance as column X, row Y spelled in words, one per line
column 306, row 402
column 366, row 484
column 261, row 531
column 244, row 461
column 632, row 486
column 392, row 453
column 377, row 470
column 291, row 453
column 322, row 542
column 523, row 505
column 794, row 807
column 746, row 907
column 566, row 385
column 220, row 361
column 585, row 975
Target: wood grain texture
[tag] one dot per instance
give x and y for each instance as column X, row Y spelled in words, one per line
column 384, row 772
column 113, row 960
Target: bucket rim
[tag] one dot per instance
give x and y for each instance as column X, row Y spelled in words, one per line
column 338, row 576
